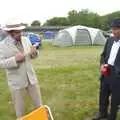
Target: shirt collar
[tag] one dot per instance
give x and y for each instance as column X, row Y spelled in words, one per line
column 13, row 41
column 118, row 41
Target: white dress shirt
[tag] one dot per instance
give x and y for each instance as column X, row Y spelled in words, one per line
column 113, row 53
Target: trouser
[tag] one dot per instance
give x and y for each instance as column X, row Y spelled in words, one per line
column 105, row 92
column 115, row 91
column 115, row 99
column 18, row 98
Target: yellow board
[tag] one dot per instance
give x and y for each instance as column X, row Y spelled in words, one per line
column 38, row 114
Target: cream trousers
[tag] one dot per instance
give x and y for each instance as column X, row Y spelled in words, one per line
column 18, row 98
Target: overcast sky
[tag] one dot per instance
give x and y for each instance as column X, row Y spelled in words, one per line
column 29, row 10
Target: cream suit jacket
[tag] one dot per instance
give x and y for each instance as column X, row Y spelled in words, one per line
column 19, row 74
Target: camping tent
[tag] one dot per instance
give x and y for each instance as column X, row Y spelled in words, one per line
column 79, row 35
column 63, row 38
column 49, row 35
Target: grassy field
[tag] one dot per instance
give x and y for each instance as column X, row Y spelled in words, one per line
column 68, row 79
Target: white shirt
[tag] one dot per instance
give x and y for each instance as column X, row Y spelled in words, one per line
column 113, row 52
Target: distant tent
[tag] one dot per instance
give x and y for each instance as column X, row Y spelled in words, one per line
column 82, row 37
column 97, row 36
column 49, row 35
column 79, row 35
column 63, row 38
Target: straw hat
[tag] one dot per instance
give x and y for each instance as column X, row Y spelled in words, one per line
column 13, row 24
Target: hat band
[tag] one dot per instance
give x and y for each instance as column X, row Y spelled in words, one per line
column 13, row 26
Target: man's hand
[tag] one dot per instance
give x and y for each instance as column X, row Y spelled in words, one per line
column 102, row 66
column 33, row 52
column 33, row 49
column 105, row 70
column 19, row 57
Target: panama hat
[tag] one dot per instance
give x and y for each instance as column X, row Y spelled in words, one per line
column 13, row 24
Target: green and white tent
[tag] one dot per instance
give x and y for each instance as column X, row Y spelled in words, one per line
column 79, row 35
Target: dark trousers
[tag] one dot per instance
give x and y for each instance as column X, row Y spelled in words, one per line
column 105, row 92
column 110, row 86
column 115, row 91
column 114, row 107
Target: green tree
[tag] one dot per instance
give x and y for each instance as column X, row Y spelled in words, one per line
column 36, row 23
column 57, row 21
column 73, row 17
column 106, row 19
column 84, row 17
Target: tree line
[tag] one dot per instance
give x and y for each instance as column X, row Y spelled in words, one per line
column 84, row 17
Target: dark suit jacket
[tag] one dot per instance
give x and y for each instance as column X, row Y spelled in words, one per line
column 106, row 53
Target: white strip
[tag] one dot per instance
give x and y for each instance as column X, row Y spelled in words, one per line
column 49, row 112
column 26, row 45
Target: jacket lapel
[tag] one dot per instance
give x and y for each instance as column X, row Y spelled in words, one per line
column 11, row 45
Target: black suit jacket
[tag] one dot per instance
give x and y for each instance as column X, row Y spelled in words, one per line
column 106, row 53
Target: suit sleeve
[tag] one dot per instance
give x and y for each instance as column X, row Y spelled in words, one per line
column 7, row 63
column 102, row 56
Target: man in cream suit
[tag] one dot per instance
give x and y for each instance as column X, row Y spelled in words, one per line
column 15, row 58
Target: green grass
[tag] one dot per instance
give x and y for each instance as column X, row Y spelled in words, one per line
column 68, row 79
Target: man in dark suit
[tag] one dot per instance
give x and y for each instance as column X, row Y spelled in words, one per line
column 110, row 77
